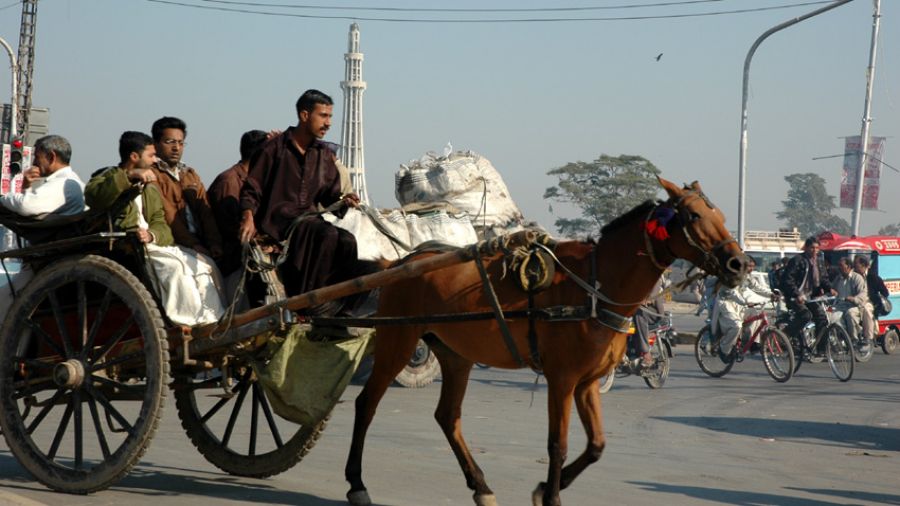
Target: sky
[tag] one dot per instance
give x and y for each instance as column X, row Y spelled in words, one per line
column 529, row 96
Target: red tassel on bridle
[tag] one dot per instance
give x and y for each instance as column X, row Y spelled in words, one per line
column 656, row 230
column 656, row 227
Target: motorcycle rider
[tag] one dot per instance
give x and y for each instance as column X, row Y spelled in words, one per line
column 805, row 277
column 650, row 312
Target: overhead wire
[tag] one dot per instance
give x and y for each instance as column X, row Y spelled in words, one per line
column 457, row 9
column 486, row 21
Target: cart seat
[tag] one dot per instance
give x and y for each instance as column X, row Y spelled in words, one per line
column 48, row 227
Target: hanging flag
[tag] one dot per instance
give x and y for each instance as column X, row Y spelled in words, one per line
column 871, row 179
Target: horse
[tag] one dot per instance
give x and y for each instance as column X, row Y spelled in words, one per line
column 625, row 263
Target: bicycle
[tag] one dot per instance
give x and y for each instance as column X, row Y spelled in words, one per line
column 775, row 346
column 838, row 345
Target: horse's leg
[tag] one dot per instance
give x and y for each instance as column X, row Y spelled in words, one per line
column 392, row 353
column 454, row 379
column 587, row 402
column 559, row 405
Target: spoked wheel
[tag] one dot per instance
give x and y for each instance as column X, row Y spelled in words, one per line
column 706, row 351
column 889, row 341
column 839, row 350
column 659, row 371
column 83, row 374
column 421, row 370
column 232, row 424
column 778, row 355
column 607, row 380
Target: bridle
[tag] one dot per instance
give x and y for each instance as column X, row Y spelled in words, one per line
column 710, row 261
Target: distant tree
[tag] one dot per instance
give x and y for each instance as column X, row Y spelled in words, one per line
column 892, row 229
column 603, row 190
column 809, row 207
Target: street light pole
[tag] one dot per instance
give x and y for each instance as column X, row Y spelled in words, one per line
column 867, row 119
column 742, row 171
column 14, row 79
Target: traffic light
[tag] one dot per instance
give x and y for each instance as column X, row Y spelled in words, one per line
column 16, row 148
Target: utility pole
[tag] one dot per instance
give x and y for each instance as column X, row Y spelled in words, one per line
column 26, row 63
column 742, row 170
column 14, row 73
column 867, row 119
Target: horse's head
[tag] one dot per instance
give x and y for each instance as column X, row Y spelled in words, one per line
column 698, row 233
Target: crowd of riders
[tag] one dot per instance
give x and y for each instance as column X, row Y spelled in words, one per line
column 799, row 283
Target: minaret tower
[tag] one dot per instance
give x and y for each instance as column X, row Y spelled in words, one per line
column 352, row 148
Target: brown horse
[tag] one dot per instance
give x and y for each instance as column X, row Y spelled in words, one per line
column 628, row 260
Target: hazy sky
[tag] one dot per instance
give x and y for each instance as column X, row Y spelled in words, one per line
column 528, row 96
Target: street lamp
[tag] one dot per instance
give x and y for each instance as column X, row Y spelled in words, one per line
column 742, row 172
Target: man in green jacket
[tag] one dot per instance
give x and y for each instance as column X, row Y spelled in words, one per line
column 145, row 215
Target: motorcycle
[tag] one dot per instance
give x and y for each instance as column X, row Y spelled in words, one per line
column 661, row 341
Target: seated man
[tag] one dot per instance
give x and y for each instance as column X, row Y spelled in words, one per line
column 187, row 208
column 852, row 294
column 224, row 198
column 186, row 281
column 49, row 188
column 877, row 290
column 289, row 178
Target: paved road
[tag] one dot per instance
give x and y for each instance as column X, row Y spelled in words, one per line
column 742, row 439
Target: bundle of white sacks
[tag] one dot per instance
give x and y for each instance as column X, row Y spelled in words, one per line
column 456, row 199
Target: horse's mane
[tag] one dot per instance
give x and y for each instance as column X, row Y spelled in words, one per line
column 642, row 210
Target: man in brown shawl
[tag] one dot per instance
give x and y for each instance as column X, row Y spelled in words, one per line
column 288, row 178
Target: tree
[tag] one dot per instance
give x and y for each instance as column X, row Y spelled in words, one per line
column 809, row 207
column 603, row 190
column 892, row 229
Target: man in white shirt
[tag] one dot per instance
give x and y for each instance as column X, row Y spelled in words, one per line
column 51, row 186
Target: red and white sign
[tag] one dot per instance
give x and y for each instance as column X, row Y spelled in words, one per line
column 8, row 183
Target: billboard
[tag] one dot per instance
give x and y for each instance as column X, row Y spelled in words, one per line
column 871, row 179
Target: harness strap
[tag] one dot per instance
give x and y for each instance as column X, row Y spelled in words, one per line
column 532, row 336
column 495, row 305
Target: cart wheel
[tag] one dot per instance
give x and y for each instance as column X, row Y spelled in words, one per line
column 83, row 377
column 421, row 370
column 233, row 426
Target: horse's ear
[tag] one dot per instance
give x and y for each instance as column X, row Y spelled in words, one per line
column 694, row 186
column 671, row 188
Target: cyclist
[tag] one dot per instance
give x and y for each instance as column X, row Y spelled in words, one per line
column 852, row 296
column 731, row 303
column 805, row 277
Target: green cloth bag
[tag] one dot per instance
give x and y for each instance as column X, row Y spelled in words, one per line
column 306, row 375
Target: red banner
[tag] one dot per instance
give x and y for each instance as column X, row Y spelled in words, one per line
column 871, row 179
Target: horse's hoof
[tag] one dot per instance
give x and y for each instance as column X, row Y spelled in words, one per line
column 537, row 497
column 359, row 498
column 485, row 500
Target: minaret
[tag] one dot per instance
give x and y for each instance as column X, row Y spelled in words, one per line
column 352, row 148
